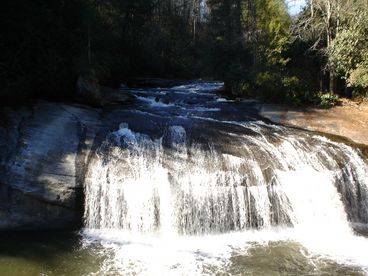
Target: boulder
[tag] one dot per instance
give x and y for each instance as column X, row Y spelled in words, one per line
column 88, row 90
column 112, row 96
column 43, row 157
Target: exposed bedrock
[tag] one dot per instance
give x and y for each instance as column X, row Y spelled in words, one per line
column 44, row 149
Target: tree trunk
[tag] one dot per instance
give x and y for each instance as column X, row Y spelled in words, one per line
column 89, row 52
column 332, row 82
column 253, row 26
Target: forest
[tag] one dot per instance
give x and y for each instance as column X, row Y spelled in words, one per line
column 183, row 137
column 255, row 46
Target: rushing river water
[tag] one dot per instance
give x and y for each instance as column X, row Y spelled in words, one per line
column 188, row 183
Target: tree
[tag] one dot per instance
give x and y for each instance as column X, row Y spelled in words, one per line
column 46, row 45
column 320, row 23
column 273, row 23
column 349, row 53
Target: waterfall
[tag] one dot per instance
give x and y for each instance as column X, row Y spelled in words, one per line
column 150, row 185
column 215, row 176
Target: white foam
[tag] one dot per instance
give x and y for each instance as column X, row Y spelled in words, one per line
column 155, row 103
column 223, row 100
column 206, row 109
column 144, row 203
column 178, row 255
column 200, row 87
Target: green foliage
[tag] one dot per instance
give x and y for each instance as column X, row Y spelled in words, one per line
column 45, row 46
column 294, row 90
column 277, row 87
column 349, row 53
column 336, row 31
column 359, row 80
column 269, row 85
column 327, row 100
column 359, row 77
column 351, row 45
column 273, row 24
column 246, row 90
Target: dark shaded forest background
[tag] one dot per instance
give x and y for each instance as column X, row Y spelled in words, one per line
column 255, row 46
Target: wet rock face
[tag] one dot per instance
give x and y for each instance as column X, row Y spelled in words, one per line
column 44, row 153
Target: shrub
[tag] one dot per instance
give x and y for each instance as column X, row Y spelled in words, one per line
column 327, row 100
column 270, row 86
column 246, row 90
column 293, row 90
column 359, row 79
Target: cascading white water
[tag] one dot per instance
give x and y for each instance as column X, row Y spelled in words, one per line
column 182, row 191
column 143, row 187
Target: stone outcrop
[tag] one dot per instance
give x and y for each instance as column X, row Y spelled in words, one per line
column 348, row 120
column 88, row 90
column 44, row 152
column 112, row 96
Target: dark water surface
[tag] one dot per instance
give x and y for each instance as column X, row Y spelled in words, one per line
column 47, row 253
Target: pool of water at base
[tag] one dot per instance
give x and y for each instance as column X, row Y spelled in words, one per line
column 68, row 253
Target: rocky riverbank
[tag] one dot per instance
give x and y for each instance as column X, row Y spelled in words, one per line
column 45, row 148
column 350, row 119
column 44, row 152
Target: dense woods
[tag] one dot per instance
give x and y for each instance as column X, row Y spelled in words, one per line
column 255, row 46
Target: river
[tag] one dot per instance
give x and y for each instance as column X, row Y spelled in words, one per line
column 189, row 183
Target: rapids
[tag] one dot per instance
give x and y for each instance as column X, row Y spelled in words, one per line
column 189, row 183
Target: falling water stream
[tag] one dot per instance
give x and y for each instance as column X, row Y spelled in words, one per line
column 188, row 183
column 184, row 182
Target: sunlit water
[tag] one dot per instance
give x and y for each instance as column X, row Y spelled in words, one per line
column 261, row 253
column 187, row 183
column 202, row 186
